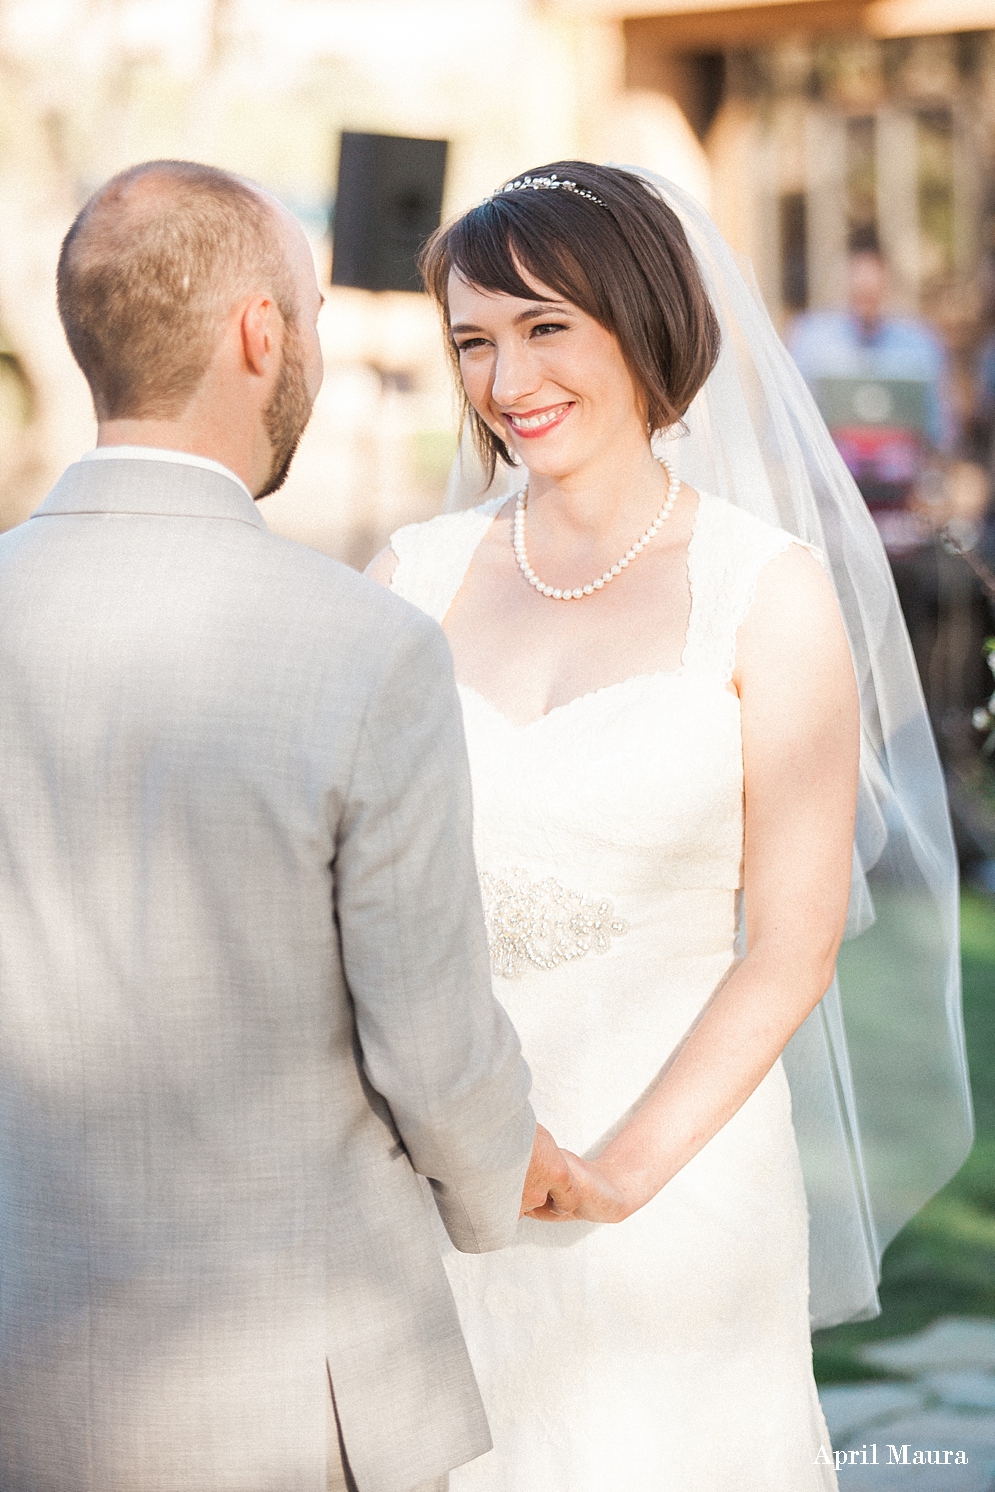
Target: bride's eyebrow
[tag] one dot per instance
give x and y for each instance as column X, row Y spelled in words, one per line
column 541, row 308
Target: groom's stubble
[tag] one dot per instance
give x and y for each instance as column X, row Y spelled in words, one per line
column 287, row 414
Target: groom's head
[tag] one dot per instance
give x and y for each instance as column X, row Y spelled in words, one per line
column 178, row 279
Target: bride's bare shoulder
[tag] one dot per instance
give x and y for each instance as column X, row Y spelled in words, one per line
column 793, row 583
column 432, row 546
column 793, row 624
column 413, row 539
column 762, row 577
column 382, row 566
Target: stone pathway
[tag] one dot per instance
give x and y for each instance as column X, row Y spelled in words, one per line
column 945, row 1401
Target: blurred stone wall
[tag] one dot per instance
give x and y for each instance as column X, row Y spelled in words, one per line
column 813, row 126
column 264, row 87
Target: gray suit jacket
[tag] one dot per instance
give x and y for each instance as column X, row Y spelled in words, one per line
column 244, row 998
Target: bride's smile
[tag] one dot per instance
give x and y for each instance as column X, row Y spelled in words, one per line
column 538, row 422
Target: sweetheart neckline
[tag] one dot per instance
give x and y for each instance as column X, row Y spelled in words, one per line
column 663, row 673
column 656, row 676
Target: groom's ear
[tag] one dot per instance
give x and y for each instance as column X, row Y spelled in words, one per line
column 262, row 333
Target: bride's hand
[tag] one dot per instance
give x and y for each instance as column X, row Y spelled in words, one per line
column 598, row 1198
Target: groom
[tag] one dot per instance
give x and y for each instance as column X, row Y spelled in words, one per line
column 244, row 990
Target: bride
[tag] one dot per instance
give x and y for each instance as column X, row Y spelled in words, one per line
column 664, row 725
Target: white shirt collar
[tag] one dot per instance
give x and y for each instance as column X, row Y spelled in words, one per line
column 153, row 453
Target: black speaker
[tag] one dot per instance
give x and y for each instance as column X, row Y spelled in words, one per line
column 388, row 202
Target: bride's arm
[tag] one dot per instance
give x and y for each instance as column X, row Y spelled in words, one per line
column 800, row 750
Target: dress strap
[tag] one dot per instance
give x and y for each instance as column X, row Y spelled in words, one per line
column 729, row 548
column 433, row 557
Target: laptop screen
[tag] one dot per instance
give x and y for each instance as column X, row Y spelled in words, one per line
column 852, row 403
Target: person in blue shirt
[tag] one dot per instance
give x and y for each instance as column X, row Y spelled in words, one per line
column 865, row 340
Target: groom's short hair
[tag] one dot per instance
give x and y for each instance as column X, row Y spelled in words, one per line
column 148, row 271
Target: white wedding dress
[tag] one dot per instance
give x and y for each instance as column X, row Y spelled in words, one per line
column 671, row 1352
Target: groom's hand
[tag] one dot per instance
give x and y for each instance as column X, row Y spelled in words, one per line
column 549, row 1181
column 594, row 1196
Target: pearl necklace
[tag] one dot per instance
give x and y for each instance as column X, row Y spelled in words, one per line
column 578, row 592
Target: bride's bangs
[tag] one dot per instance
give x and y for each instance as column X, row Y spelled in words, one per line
column 521, row 249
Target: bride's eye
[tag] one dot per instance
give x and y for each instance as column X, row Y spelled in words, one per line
column 469, row 344
column 544, row 328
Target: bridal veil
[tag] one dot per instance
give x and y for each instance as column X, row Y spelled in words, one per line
column 878, row 1072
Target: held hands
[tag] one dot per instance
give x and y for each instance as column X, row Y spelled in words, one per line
column 560, row 1187
column 549, row 1181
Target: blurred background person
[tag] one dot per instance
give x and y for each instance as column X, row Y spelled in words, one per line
column 983, row 423
column 883, row 381
column 866, row 344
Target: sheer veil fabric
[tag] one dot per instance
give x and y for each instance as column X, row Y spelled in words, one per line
column 878, row 1072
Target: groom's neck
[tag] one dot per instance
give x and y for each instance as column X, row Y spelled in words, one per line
column 181, row 435
column 223, row 420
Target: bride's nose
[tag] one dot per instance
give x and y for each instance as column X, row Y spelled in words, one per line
column 515, row 373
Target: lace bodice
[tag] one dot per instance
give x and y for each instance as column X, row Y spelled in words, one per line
column 728, row 549
column 634, row 787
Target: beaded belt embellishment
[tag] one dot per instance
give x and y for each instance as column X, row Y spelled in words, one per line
column 542, row 923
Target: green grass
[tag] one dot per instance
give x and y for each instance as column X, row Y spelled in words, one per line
column 943, row 1262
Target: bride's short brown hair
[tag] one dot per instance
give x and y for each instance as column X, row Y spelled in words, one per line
column 624, row 259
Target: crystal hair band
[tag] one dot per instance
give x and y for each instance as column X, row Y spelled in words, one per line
column 543, row 184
